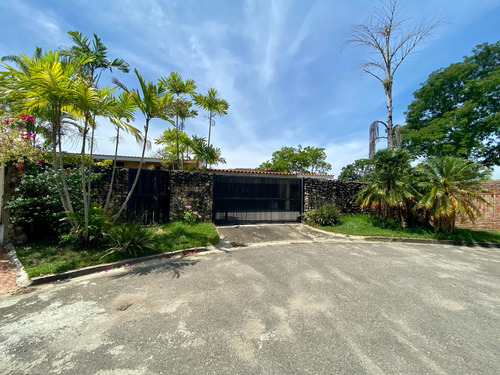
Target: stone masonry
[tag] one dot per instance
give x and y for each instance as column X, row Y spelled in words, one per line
column 342, row 193
column 193, row 189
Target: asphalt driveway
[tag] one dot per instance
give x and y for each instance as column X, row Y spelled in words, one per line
column 316, row 308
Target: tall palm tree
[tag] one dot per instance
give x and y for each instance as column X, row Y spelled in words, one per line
column 205, row 154
column 213, row 104
column 178, row 88
column 451, row 188
column 124, row 109
column 48, row 88
column 154, row 102
column 95, row 49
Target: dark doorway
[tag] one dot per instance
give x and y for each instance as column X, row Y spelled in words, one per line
column 150, row 200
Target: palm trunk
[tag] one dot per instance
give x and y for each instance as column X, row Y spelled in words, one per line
column 146, row 128
column 89, row 184
column 114, row 170
column 84, row 190
column 389, row 127
column 177, row 139
column 209, row 133
column 59, row 170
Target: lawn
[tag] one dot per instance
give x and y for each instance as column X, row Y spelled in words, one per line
column 364, row 225
column 46, row 257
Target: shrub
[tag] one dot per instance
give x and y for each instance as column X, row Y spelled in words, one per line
column 129, row 239
column 326, row 215
column 37, row 205
column 99, row 223
column 190, row 216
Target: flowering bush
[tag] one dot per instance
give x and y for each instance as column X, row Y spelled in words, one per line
column 190, row 216
column 17, row 142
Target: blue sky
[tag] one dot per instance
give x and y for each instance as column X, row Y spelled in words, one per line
column 279, row 64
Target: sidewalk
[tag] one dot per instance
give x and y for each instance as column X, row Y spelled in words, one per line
column 7, row 275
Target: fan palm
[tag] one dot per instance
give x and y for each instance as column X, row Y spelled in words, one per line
column 214, row 105
column 451, row 188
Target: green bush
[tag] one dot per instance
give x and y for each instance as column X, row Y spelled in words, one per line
column 129, row 239
column 99, row 223
column 326, row 215
column 37, row 205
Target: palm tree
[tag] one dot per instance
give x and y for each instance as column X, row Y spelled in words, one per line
column 177, row 87
column 124, row 109
column 451, row 188
column 46, row 86
column 390, row 189
column 154, row 102
column 83, row 47
column 205, row 154
column 214, row 105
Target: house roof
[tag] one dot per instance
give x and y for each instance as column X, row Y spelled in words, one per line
column 251, row 171
column 125, row 158
column 213, row 170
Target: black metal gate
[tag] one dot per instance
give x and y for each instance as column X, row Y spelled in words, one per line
column 149, row 202
column 247, row 199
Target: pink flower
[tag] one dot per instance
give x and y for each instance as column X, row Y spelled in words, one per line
column 23, row 117
column 188, row 207
column 199, row 216
column 7, row 122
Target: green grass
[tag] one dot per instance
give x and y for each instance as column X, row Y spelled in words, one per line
column 46, row 257
column 364, row 225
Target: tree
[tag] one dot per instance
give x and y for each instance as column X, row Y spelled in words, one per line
column 214, row 105
column 360, row 170
column 154, row 102
column 173, row 141
column 46, row 87
column 301, row 160
column 451, row 188
column 204, row 153
column 457, row 110
column 390, row 38
column 177, row 87
column 124, row 109
column 90, row 101
column 391, row 188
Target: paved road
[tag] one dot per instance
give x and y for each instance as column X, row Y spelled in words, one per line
column 322, row 308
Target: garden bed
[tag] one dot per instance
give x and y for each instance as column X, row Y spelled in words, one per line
column 364, row 225
column 47, row 257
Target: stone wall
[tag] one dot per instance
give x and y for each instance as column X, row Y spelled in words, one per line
column 193, row 189
column 342, row 193
column 100, row 189
column 491, row 213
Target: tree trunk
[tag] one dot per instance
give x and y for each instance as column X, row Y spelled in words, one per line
column 84, row 189
column 209, row 133
column 146, row 128
column 114, row 170
column 389, row 126
column 177, row 139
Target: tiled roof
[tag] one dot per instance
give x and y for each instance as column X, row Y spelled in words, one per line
column 269, row 172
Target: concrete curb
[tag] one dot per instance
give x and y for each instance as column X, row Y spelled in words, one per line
column 435, row 242
column 412, row 240
column 22, row 279
column 108, row 266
